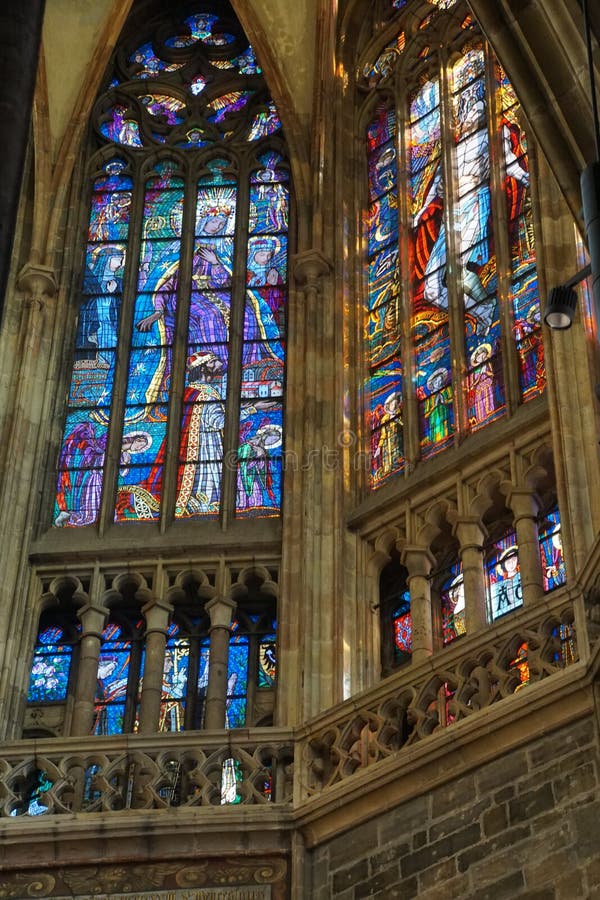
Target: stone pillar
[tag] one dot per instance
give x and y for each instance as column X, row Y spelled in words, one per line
column 319, row 636
column 156, row 614
column 471, row 535
column 221, row 611
column 20, row 32
column 525, row 508
column 93, row 619
column 419, row 561
column 20, row 421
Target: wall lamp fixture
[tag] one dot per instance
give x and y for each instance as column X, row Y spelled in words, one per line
column 562, row 300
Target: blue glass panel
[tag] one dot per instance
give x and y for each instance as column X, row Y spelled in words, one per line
column 551, row 551
column 237, row 680
column 264, row 316
column 105, row 265
column 452, row 596
column 120, row 128
column 175, row 676
column 265, row 122
column 382, row 223
column 384, row 276
column 49, row 677
column 109, row 215
column 215, row 210
column 383, row 170
column 213, row 263
column 504, row 577
column 267, row 260
column 269, row 207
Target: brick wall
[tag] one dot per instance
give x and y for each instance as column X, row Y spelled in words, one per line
column 526, row 825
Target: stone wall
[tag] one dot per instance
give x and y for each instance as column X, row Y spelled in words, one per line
column 525, row 825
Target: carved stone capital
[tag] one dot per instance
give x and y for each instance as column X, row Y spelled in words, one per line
column 310, row 268
column 93, row 619
column 37, row 282
column 470, row 532
column 220, row 610
column 523, row 503
column 156, row 613
column 418, row 560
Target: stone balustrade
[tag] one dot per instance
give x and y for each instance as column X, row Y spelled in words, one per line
column 259, row 766
column 110, row 774
column 424, row 699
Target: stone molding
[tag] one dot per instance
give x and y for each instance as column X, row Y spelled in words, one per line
column 309, row 268
column 38, row 283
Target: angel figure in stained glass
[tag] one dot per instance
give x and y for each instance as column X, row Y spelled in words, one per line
column 80, row 479
column 255, row 480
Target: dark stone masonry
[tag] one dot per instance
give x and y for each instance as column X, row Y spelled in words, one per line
column 527, row 826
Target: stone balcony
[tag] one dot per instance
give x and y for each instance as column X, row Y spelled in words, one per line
column 422, row 726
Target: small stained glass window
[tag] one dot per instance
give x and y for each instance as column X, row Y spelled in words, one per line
column 504, row 576
column 452, row 596
column 51, row 665
column 551, row 551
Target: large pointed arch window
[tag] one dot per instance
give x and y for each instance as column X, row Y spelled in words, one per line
column 175, row 405
column 453, row 322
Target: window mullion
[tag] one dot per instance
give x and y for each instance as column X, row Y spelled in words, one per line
column 236, row 339
column 456, row 324
column 412, row 450
column 191, row 690
column 179, row 358
column 500, row 231
column 117, row 411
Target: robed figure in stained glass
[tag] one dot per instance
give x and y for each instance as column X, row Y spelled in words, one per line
column 198, row 485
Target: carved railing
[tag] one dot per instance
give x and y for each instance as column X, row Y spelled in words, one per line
column 108, row 774
column 256, row 766
column 472, row 674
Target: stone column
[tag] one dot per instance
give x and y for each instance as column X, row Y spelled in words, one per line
column 419, row 561
column 471, row 535
column 525, row 508
column 221, row 611
column 20, row 32
column 156, row 614
column 93, row 619
column 318, row 639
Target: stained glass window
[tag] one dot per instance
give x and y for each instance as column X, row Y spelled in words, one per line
column 51, row 666
column 183, row 296
column 252, row 663
column 520, row 666
column 402, row 624
column 566, row 645
column 395, row 615
column 551, row 551
column 450, row 243
column 31, row 792
column 252, row 667
column 185, row 673
column 120, row 670
column 452, row 597
column 504, row 576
